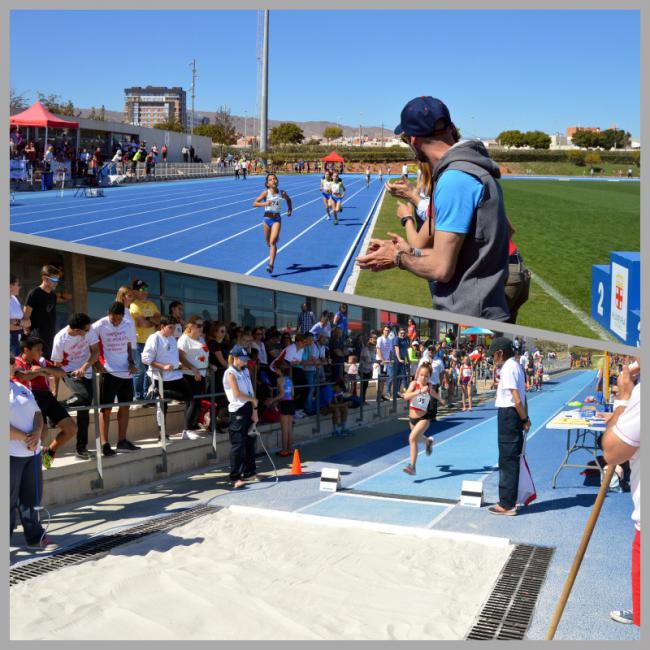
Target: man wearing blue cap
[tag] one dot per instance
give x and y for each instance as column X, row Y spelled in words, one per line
column 466, row 261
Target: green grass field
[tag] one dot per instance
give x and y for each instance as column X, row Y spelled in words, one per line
column 562, row 228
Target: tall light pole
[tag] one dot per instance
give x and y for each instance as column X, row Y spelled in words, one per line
column 245, row 124
column 360, row 119
column 264, row 103
column 382, row 134
column 194, row 75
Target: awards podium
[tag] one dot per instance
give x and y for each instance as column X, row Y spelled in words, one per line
column 616, row 296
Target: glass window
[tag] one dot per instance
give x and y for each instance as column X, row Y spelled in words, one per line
column 188, row 288
column 207, row 311
column 106, row 274
column 252, row 317
column 254, row 297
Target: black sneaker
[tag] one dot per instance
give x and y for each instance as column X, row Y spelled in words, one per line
column 82, row 454
column 126, row 445
column 107, row 451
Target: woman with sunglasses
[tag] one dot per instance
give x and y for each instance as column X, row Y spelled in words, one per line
column 161, row 355
column 271, row 201
column 218, row 348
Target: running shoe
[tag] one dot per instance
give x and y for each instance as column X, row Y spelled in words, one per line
column 269, row 268
column 409, row 469
column 428, row 446
column 189, row 435
column 82, row 454
column 48, row 457
column 126, row 445
column 624, row 616
column 336, row 221
column 237, row 484
column 43, row 544
column 107, row 451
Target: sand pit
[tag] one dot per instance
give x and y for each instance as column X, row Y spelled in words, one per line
column 240, row 574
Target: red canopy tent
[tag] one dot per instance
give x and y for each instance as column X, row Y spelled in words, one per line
column 38, row 115
column 333, row 157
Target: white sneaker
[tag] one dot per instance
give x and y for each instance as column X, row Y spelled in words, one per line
column 189, row 435
column 624, row 616
column 300, row 413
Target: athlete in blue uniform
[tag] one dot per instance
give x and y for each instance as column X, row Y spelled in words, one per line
column 271, row 200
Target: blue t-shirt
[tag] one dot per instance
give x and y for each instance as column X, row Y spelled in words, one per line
column 456, row 197
column 342, row 322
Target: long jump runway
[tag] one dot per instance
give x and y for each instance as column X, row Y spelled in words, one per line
column 211, row 222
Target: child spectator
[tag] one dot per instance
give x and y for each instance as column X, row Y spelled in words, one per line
column 352, row 374
column 339, row 407
column 285, row 401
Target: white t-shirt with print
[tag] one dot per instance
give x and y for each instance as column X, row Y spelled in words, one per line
column 113, row 345
column 628, row 429
column 162, row 349
column 22, row 409
column 512, row 376
column 73, row 351
column 196, row 352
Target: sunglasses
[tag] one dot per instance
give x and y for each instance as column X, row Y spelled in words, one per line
column 55, row 280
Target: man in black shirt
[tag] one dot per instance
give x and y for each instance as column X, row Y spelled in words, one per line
column 40, row 307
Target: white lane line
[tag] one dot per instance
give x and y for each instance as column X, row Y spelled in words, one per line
column 199, row 225
column 346, row 260
column 313, row 225
column 241, row 232
column 132, row 214
column 117, row 202
column 176, row 216
column 443, row 514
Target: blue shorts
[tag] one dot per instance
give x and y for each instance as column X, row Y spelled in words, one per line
column 326, row 195
column 338, row 199
column 270, row 219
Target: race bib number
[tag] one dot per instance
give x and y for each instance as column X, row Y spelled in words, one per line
column 421, row 401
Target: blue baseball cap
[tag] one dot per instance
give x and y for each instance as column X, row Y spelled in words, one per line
column 419, row 116
column 240, row 352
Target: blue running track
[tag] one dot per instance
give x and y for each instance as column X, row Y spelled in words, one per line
column 210, row 222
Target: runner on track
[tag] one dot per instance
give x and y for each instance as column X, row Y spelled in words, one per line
column 367, row 176
column 337, row 191
column 271, row 200
column 326, row 188
column 420, row 395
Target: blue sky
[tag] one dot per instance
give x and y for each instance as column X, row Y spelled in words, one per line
column 495, row 70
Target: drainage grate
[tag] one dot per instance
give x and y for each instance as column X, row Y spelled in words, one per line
column 508, row 611
column 101, row 545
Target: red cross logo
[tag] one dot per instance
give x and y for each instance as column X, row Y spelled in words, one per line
column 619, row 297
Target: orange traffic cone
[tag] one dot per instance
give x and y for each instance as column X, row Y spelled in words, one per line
column 296, row 468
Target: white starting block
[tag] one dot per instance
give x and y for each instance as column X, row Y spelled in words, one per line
column 330, row 480
column 471, row 494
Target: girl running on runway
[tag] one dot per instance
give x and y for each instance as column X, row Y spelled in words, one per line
column 271, row 199
column 381, row 175
column 337, row 191
column 325, row 188
column 420, row 393
column 367, row 176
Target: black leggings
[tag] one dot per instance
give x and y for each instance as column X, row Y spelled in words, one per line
column 195, row 388
column 178, row 389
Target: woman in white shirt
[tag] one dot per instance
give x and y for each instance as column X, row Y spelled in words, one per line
column 193, row 354
column 17, row 320
column 242, row 408
column 161, row 355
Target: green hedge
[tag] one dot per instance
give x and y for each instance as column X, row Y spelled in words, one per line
column 400, row 154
